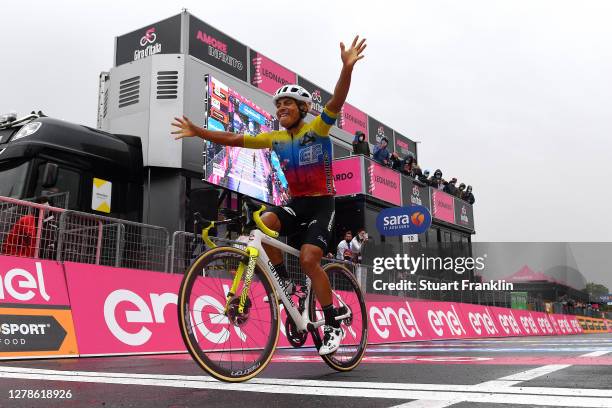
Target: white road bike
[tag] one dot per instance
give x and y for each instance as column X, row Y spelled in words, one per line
column 229, row 311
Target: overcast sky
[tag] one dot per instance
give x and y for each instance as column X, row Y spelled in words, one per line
column 513, row 97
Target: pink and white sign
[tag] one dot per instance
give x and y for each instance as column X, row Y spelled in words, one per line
column 347, row 176
column 383, row 183
column 268, row 75
column 442, row 206
column 395, row 322
column 118, row 310
column 352, row 119
column 565, row 324
column 27, row 281
column 480, row 321
column 121, row 311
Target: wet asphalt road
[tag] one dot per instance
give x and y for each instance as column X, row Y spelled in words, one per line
column 508, row 372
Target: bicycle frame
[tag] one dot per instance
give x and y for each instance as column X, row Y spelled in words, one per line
column 256, row 252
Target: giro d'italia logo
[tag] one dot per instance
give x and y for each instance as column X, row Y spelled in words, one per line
column 414, row 219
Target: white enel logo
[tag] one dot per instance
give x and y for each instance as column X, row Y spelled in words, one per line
column 142, row 314
column 482, row 320
column 155, row 314
column 403, row 318
column 25, row 280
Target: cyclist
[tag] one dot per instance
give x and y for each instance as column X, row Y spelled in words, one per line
column 305, row 149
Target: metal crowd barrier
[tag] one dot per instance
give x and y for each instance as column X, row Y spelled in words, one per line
column 28, row 229
column 186, row 247
column 94, row 239
column 40, row 231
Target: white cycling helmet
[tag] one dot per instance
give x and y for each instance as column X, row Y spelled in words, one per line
column 292, row 91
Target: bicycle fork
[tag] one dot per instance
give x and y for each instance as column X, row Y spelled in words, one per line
column 253, row 253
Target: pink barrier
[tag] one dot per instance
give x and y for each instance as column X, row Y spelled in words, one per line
column 26, row 281
column 119, row 311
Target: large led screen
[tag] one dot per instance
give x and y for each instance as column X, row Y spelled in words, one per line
column 254, row 172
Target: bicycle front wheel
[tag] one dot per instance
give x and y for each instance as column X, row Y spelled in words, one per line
column 231, row 346
column 348, row 299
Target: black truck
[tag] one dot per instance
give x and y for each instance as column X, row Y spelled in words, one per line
column 42, row 155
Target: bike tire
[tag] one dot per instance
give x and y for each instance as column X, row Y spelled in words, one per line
column 344, row 283
column 203, row 289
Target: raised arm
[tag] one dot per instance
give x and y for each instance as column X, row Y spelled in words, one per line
column 188, row 129
column 349, row 58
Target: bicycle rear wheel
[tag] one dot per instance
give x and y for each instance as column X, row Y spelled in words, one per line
column 229, row 346
column 347, row 297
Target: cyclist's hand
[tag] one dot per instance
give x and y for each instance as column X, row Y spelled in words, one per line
column 354, row 53
column 186, row 128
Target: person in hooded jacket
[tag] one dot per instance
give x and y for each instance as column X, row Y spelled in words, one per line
column 423, row 178
column 468, row 196
column 461, row 191
column 450, row 187
column 396, row 162
column 436, row 181
column 416, row 172
column 360, row 145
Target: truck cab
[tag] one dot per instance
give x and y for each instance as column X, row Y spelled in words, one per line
column 87, row 169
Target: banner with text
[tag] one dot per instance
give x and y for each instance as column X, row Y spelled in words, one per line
column 267, row 75
column 35, row 317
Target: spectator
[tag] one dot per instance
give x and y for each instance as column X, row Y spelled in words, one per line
column 461, row 191
column 357, row 245
column 416, row 171
column 406, row 168
column 21, row 239
column 381, row 154
column 468, row 196
column 360, row 144
column 436, row 181
column 423, row 178
column 396, row 162
column 450, row 187
column 344, row 247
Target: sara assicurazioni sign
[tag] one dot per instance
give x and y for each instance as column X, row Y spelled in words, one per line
column 409, row 220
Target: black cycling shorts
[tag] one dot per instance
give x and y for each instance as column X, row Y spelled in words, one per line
column 307, row 220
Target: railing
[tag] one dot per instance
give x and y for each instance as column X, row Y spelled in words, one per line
column 89, row 238
column 28, row 229
column 186, row 247
column 41, row 231
column 57, row 200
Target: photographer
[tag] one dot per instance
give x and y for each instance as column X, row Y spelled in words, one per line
column 357, row 245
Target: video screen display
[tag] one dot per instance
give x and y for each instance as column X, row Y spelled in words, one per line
column 254, row 172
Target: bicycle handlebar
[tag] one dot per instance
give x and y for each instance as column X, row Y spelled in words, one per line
column 261, row 225
column 211, row 224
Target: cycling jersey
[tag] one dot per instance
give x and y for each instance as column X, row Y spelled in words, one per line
column 306, row 157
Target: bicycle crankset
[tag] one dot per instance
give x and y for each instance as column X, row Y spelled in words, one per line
column 296, row 339
column 342, row 310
